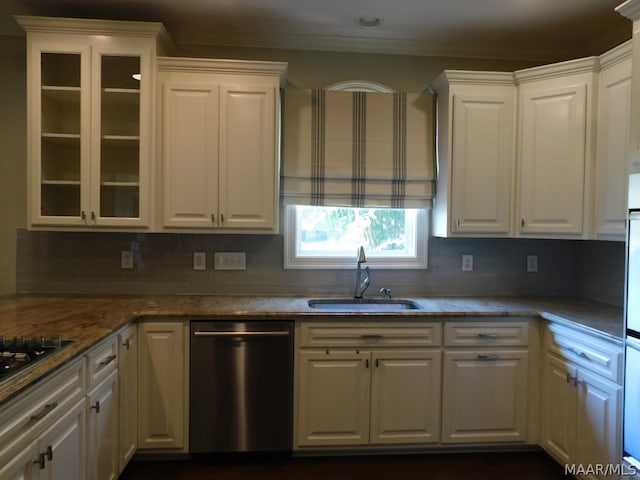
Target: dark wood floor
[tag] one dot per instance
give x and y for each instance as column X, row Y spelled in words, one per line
column 437, row 466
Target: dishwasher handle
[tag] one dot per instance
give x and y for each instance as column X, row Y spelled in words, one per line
column 273, row 333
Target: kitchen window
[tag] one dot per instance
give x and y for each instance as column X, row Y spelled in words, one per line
column 329, row 237
column 358, row 170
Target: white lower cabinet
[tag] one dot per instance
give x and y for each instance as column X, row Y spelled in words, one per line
column 61, row 448
column 581, row 409
column 362, row 391
column 102, row 431
column 485, row 382
column 162, row 385
column 43, row 431
column 485, row 396
column 127, row 394
column 369, row 397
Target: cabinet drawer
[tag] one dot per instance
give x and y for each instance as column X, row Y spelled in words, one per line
column 39, row 406
column 102, row 360
column 596, row 354
column 370, row 334
column 491, row 334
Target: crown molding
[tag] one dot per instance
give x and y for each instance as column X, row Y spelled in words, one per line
column 89, row 26
column 239, row 67
column 580, row 65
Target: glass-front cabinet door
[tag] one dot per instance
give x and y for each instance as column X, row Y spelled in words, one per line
column 90, row 123
column 120, row 137
column 59, row 141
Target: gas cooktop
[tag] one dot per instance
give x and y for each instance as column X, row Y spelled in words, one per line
column 20, row 353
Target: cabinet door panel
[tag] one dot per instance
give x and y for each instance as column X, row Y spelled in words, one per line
column 102, row 438
column 559, row 410
column 128, row 395
column 248, row 162
column 482, row 163
column 59, row 120
column 161, row 385
column 190, row 155
column 333, row 402
column 553, row 136
column 121, row 136
column 598, row 417
column 67, row 441
column 19, row 466
column 472, row 412
column 405, row 397
column 614, row 120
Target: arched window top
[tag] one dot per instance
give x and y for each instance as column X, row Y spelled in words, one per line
column 360, row 86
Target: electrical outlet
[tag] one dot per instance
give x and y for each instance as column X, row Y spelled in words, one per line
column 199, row 261
column 532, row 263
column 126, row 259
column 467, row 263
column 229, row 261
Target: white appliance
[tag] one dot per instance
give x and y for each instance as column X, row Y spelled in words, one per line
column 631, row 440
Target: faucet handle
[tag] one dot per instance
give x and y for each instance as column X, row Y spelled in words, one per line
column 386, row 293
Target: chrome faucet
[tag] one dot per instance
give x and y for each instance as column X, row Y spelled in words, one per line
column 362, row 282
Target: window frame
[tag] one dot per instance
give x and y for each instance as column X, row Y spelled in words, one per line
column 294, row 261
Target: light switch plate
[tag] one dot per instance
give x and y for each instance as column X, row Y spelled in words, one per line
column 126, row 259
column 532, row 263
column 199, row 261
column 229, row 261
column 467, row 263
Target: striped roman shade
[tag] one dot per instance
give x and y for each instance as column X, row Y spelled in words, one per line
column 360, row 149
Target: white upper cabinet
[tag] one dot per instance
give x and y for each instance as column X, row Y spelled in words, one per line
column 476, row 153
column 220, row 144
column 556, row 148
column 90, row 118
column 612, row 160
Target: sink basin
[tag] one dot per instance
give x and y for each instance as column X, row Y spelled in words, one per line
column 363, row 304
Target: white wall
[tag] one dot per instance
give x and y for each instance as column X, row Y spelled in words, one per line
column 12, row 155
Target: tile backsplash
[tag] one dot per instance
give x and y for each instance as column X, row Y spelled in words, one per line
column 67, row 262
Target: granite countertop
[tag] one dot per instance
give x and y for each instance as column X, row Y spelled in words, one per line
column 88, row 319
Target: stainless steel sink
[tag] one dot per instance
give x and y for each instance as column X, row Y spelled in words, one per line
column 363, row 304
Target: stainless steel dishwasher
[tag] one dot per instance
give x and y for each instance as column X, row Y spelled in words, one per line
column 241, row 386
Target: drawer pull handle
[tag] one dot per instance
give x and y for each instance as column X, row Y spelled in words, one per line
column 366, row 363
column 488, row 357
column 577, row 352
column 96, row 407
column 371, row 337
column 49, row 453
column 45, row 411
column 487, row 335
column 127, row 344
column 108, row 360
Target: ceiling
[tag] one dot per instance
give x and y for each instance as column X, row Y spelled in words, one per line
column 499, row 29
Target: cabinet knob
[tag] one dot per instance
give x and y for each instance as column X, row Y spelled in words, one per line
column 93, row 217
column 457, row 223
column 127, row 344
column 83, row 216
column 522, row 223
column 222, row 218
column 49, row 453
column 213, row 218
column 366, row 363
column 96, row 406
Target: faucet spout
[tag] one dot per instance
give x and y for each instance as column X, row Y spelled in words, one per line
column 363, row 278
